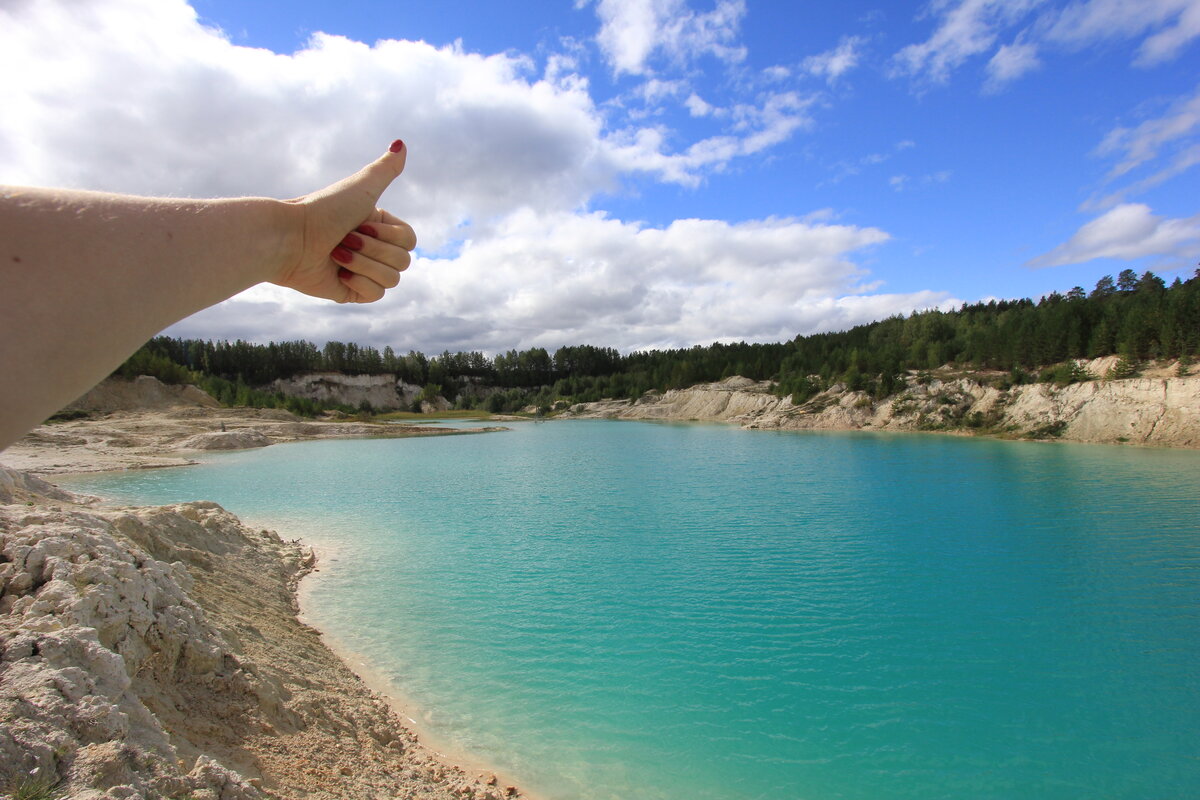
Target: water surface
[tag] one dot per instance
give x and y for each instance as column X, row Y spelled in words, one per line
column 617, row 610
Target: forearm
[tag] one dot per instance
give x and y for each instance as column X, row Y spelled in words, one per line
column 89, row 258
column 86, row 278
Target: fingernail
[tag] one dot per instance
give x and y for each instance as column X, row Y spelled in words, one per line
column 397, row 146
column 368, row 230
column 341, row 255
column 352, row 242
column 345, row 274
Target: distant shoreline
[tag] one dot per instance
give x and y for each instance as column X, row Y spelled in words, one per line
column 1154, row 410
column 171, row 437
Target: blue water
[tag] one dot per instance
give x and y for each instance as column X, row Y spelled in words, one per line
column 627, row 610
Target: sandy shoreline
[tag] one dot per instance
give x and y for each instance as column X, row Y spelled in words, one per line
column 403, row 707
column 317, row 721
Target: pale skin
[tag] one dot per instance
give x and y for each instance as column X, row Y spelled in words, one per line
column 86, row 278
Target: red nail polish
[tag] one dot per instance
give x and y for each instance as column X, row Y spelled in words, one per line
column 345, row 274
column 341, row 255
column 352, row 242
column 397, row 146
column 368, row 230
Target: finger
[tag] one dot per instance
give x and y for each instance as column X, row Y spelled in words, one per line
column 386, row 254
column 382, row 273
column 378, row 175
column 400, row 234
column 361, row 289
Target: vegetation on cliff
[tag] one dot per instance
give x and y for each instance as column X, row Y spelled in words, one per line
column 1135, row 317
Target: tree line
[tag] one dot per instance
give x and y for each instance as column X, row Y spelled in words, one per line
column 1136, row 317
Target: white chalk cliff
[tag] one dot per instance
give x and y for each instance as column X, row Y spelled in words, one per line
column 1163, row 411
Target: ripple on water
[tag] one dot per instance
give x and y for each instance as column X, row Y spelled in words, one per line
column 625, row 610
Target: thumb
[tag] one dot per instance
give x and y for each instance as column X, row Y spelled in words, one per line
column 378, row 175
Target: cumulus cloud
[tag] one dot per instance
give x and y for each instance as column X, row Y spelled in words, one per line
column 632, row 32
column 138, row 96
column 1127, row 232
column 560, row 278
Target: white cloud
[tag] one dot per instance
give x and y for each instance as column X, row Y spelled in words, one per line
column 969, row 28
column 629, row 33
column 832, row 64
column 560, row 278
column 1010, row 62
column 697, row 107
column 776, row 73
column 654, row 91
column 632, row 32
column 966, row 28
column 1127, row 232
column 1141, row 144
column 1180, row 164
column 1173, row 137
column 1171, row 25
column 902, row 182
column 137, row 96
column 1168, row 42
column 756, row 127
column 846, row 169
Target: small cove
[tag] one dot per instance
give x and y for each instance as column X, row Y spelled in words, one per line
column 620, row 609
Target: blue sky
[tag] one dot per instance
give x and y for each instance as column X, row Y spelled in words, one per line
column 644, row 173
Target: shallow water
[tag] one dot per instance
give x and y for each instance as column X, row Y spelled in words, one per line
column 614, row 610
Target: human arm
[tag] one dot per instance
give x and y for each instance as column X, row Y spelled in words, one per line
column 86, row 278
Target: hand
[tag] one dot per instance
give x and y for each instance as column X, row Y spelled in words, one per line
column 349, row 250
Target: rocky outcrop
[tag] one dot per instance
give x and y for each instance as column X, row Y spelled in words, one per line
column 1162, row 411
column 82, row 614
column 155, row 653
column 1153, row 411
column 143, row 393
column 380, row 392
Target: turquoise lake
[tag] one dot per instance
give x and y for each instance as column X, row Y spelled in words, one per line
column 631, row 610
